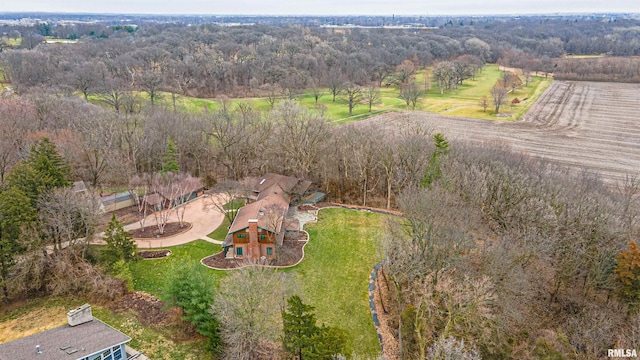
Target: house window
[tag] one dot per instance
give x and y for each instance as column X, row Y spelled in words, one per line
column 262, row 237
column 239, row 251
column 117, row 353
column 242, row 236
column 269, row 251
column 106, row 355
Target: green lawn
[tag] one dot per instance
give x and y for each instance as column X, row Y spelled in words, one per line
column 155, row 342
column 465, row 100
column 152, row 275
column 13, row 42
column 234, row 204
column 335, row 273
column 221, row 232
column 333, row 277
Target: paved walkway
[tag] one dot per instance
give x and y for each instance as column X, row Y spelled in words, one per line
column 204, row 218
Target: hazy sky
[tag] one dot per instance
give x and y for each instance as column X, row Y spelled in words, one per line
column 323, row 7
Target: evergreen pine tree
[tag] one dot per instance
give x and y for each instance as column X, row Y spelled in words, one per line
column 42, row 171
column 299, row 326
column 120, row 244
column 433, row 171
column 14, row 214
column 170, row 159
column 190, row 290
column 304, row 339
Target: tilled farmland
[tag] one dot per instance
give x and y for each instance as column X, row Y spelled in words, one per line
column 585, row 125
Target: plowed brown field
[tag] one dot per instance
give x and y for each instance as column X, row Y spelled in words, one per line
column 580, row 124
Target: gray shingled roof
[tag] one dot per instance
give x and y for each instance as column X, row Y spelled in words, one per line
column 87, row 338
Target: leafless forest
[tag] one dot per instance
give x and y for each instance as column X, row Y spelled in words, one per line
column 518, row 237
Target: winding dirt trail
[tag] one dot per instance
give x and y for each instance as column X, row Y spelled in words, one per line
column 588, row 125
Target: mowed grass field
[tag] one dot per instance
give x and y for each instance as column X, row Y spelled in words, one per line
column 13, row 42
column 333, row 276
column 153, row 276
column 461, row 102
column 465, row 100
column 335, row 273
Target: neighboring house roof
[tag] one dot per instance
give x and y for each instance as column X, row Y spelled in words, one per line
column 88, row 338
column 290, row 185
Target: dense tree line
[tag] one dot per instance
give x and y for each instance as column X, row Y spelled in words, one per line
column 516, row 257
column 616, row 69
column 45, row 228
column 106, row 149
column 209, row 60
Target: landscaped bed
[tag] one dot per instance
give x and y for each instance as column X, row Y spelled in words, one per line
column 291, row 252
column 154, row 254
column 152, row 232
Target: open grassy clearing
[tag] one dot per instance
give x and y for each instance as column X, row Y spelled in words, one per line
column 590, row 56
column 34, row 316
column 13, row 42
column 152, row 276
column 465, row 100
column 462, row 102
column 334, row 274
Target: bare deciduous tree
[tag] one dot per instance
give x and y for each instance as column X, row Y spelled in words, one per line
column 69, row 217
column 300, row 136
column 248, row 305
column 372, row 95
column 352, row 94
column 499, row 96
column 484, row 102
column 410, row 93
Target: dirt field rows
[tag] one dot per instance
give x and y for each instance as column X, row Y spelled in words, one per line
column 581, row 124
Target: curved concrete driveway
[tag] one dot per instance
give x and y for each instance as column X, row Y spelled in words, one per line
column 203, row 217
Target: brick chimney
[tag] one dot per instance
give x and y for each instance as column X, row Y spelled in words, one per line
column 79, row 315
column 254, row 246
